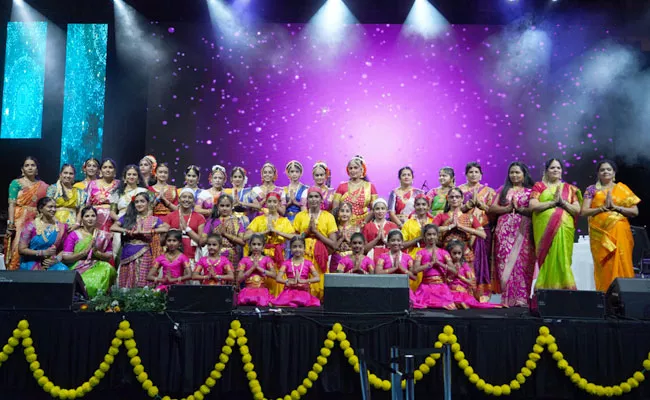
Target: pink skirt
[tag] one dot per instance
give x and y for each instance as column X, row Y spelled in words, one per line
column 466, row 300
column 434, row 295
column 296, row 298
column 254, row 297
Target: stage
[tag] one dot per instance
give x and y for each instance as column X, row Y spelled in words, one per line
column 284, row 346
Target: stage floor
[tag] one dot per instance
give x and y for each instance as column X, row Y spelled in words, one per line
column 178, row 351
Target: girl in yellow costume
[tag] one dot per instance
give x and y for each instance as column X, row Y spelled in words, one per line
column 412, row 231
column 276, row 230
column 69, row 199
column 319, row 229
column 608, row 205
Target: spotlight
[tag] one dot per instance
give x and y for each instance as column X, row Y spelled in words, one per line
column 329, row 22
column 424, row 20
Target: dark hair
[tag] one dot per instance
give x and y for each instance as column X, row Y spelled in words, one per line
column 394, row 232
column 548, row 163
column 527, row 183
column 163, row 164
column 131, row 215
column 358, row 235
column 473, row 164
column 449, row 171
column 86, row 209
column 399, row 173
column 454, row 243
column 89, row 160
column 176, row 234
column 215, row 208
column 430, row 226
column 42, row 202
column 455, row 188
column 256, row 236
column 110, row 160
column 122, row 188
column 215, row 236
column 74, row 171
column 31, row 158
column 297, row 238
column 152, row 178
column 606, row 161
column 338, row 210
column 196, row 170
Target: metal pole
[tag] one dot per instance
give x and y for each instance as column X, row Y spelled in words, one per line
column 446, row 371
column 409, row 366
column 363, row 375
column 395, row 377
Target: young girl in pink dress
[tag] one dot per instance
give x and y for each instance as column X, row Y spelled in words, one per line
column 463, row 281
column 214, row 269
column 395, row 261
column 254, row 269
column 174, row 264
column 357, row 262
column 300, row 273
column 433, row 292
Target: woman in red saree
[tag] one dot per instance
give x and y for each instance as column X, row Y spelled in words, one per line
column 514, row 249
column 457, row 225
column 555, row 205
column 166, row 195
column 100, row 195
column 476, row 200
column 24, row 194
column 608, row 205
column 357, row 191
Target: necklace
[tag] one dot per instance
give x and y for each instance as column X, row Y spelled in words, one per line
column 293, row 269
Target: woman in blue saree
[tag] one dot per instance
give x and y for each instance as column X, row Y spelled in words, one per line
column 41, row 241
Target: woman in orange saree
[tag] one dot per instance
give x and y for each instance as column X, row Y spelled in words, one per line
column 357, row 191
column 24, row 193
column 608, row 205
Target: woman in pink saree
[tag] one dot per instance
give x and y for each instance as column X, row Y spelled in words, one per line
column 514, row 249
column 100, row 195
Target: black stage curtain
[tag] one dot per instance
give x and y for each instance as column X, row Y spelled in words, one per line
column 70, row 347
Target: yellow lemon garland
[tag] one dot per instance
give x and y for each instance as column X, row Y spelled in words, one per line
column 124, row 336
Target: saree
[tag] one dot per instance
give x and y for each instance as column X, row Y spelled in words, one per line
column 97, row 275
column 360, row 199
column 438, row 201
column 99, row 196
column 464, row 292
column 482, row 247
column 25, row 199
column 40, row 237
column 243, row 196
column 315, row 250
column 231, row 225
column 514, row 252
column 403, row 205
column 66, row 207
column 137, row 258
column 610, row 236
column 412, row 229
column 169, row 193
column 554, row 230
column 433, row 292
column 465, row 219
column 328, row 198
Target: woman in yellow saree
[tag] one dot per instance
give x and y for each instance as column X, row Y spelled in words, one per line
column 68, row 198
column 24, row 194
column 555, row 205
column 608, row 205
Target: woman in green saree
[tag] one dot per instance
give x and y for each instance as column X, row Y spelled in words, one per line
column 90, row 252
column 555, row 205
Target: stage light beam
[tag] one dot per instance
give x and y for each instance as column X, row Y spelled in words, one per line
column 424, row 20
column 132, row 38
column 331, row 22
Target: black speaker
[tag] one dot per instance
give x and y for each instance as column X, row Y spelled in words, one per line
column 351, row 293
column 629, row 297
column 568, row 304
column 40, row 290
column 200, row 298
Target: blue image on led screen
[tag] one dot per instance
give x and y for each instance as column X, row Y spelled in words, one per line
column 22, row 97
column 84, row 93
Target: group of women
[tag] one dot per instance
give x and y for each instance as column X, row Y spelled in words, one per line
column 458, row 244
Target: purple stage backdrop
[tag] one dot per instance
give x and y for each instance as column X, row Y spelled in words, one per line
column 475, row 93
